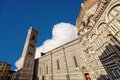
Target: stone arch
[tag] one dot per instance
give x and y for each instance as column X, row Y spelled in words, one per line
column 110, row 9
column 100, row 27
column 113, row 18
column 113, row 12
column 93, row 37
column 109, row 37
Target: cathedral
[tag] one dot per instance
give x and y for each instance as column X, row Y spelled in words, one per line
column 94, row 55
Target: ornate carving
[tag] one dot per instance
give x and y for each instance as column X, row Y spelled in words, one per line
column 100, row 10
column 114, row 11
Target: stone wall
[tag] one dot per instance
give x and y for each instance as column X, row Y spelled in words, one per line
column 95, row 55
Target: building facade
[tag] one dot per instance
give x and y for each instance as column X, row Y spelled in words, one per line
column 28, row 56
column 11, row 75
column 95, row 54
column 4, row 70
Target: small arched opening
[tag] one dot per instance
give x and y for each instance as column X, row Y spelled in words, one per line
column 86, row 73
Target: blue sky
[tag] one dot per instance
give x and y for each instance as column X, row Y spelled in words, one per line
column 16, row 16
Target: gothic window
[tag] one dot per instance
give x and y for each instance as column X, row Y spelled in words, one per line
column 58, row 65
column 114, row 12
column 114, row 19
column 75, row 61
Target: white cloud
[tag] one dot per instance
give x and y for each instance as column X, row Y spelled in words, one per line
column 18, row 64
column 61, row 34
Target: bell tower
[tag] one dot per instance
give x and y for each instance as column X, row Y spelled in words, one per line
column 28, row 56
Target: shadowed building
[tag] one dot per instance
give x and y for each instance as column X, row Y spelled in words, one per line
column 35, row 73
column 11, row 75
column 4, row 70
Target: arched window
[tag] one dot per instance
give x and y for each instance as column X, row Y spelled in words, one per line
column 75, row 61
column 101, row 27
column 114, row 19
column 93, row 37
column 114, row 12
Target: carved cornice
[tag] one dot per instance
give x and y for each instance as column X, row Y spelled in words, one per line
column 101, row 7
column 89, row 3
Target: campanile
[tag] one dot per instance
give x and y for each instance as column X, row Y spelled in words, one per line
column 28, row 55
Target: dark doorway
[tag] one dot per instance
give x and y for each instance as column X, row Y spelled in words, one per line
column 87, row 76
column 43, row 77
